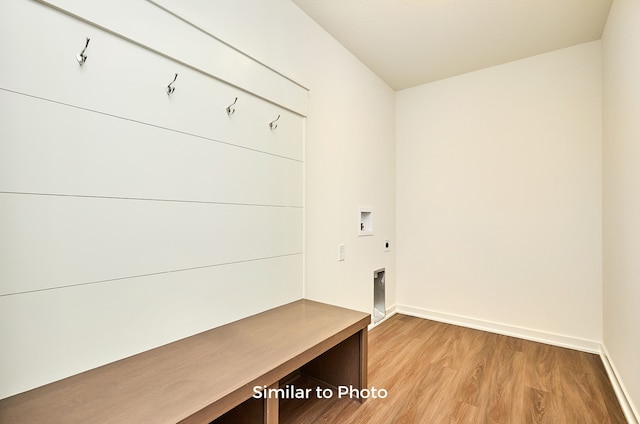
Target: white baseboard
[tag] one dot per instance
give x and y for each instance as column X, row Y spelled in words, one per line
column 389, row 312
column 630, row 411
column 505, row 329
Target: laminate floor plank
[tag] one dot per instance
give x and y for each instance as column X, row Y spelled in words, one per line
column 441, row 373
column 504, row 394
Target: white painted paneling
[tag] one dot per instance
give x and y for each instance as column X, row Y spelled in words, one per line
column 153, row 28
column 74, row 151
column 52, row 334
column 129, row 217
column 53, row 241
column 126, row 80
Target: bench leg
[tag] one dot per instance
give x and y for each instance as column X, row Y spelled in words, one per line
column 271, row 407
column 364, row 359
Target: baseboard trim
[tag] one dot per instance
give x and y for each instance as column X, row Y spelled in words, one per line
column 630, row 411
column 389, row 312
column 504, row 329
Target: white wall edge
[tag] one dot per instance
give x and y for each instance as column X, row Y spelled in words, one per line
column 589, row 346
column 390, row 311
column 630, row 411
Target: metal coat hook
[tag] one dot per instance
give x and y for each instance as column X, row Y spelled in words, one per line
column 81, row 57
column 230, row 109
column 273, row 124
column 170, row 88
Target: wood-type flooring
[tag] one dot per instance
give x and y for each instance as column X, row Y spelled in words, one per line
column 436, row 373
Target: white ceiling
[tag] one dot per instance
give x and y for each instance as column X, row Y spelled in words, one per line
column 412, row 42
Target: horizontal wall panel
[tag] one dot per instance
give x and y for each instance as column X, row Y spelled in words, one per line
column 155, row 29
column 80, row 328
column 54, row 241
column 74, row 151
column 141, row 20
column 126, row 80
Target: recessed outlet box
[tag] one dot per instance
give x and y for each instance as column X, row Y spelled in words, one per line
column 365, row 222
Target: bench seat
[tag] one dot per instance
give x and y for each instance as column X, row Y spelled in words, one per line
column 200, row 378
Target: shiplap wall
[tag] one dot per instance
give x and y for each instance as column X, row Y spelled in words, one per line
column 130, row 218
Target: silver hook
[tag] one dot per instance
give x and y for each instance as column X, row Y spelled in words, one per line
column 81, row 57
column 230, row 109
column 171, row 89
column 273, row 124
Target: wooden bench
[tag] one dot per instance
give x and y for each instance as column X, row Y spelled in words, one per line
column 202, row 377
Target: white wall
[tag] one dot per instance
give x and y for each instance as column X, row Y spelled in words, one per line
column 350, row 149
column 499, row 198
column 621, row 220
